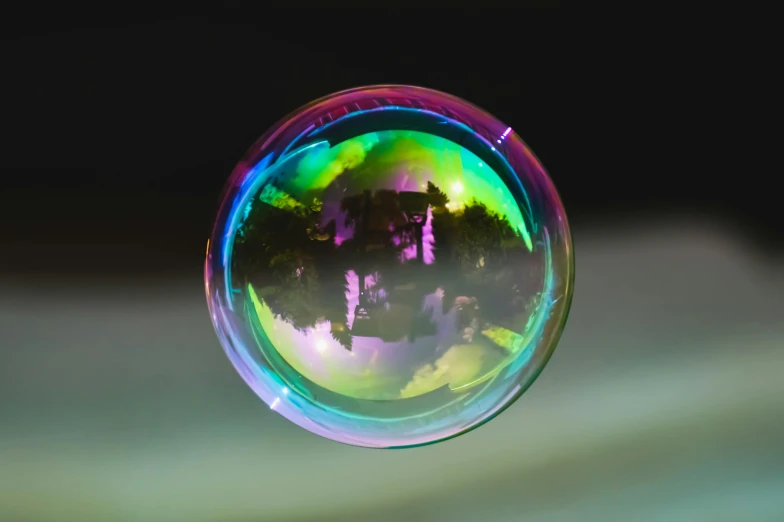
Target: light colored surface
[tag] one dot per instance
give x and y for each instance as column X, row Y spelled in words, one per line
column 663, row 402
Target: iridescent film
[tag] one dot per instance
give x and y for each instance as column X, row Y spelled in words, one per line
column 390, row 267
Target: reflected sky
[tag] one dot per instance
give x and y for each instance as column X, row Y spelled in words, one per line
column 380, row 370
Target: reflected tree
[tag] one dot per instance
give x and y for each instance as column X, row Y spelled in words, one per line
column 300, row 271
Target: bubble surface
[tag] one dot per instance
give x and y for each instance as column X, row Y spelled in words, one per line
column 390, row 267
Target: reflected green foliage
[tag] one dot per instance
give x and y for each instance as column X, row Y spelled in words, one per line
column 301, row 269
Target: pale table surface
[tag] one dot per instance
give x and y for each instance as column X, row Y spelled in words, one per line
column 663, row 402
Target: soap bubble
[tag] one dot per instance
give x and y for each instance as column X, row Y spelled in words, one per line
column 390, row 267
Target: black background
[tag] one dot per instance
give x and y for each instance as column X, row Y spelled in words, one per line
column 119, row 128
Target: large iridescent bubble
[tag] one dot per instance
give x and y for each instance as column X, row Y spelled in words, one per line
column 390, row 267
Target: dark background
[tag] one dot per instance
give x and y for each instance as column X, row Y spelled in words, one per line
column 119, row 128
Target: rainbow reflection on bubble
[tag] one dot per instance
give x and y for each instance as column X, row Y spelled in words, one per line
column 390, row 267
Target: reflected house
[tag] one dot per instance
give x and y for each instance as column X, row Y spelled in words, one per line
column 385, row 217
